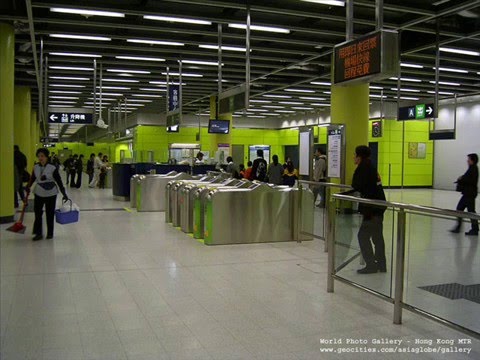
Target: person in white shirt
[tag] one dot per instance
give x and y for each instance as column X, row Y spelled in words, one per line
column 97, row 167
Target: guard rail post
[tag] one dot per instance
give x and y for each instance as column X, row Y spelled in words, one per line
column 399, row 268
column 327, row 200
column 330, row 241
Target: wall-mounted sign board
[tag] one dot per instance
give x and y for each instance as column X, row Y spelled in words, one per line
column 417, row 112
column 69, row 118
column 336, row 151
column 377, row 129
column 370, row 57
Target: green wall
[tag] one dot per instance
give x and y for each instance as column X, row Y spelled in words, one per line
column 417, row 172
column 112, row 150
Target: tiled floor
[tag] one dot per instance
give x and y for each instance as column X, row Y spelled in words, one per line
column 125, row 285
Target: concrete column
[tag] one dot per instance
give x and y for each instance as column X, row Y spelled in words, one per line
column 22, row 121
column 7, row 71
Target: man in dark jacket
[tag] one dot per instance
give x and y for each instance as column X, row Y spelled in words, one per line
column 259, row 168
column 20, row 162
column 467, row 184
column 67, row 166
column 367, row 182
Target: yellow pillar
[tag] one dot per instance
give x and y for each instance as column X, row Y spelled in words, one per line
column 219, row 138
column 34, row 138
column 350, row 106
column 7, row 71
column 22, row 121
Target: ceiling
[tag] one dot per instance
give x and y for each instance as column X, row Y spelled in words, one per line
column 290, row 65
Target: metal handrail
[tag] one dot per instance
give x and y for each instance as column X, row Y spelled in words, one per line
column 325, row 184
column 412, row 207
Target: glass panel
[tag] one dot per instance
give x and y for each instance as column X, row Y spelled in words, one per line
column 319, row 211
column 442, row 270
column 350, row 226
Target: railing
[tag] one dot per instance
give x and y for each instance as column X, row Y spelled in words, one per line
column 428, row 267
column 322, row 212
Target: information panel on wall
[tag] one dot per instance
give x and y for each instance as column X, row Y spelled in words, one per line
column 305, row 150
column 335, row 145
column 370, row 57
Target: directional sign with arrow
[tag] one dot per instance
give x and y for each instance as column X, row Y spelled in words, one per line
column 70, row 118
column 416, row 112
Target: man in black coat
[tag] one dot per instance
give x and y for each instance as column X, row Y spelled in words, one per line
column 20, row 162
column 467, row 184
column 367, row 182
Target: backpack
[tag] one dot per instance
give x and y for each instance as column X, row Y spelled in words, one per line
column 261, row 171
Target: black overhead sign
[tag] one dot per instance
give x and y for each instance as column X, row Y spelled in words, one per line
column 416, row 112
column 370, row 57
column 69, row 118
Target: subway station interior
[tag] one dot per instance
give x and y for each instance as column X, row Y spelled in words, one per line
column 239, row 179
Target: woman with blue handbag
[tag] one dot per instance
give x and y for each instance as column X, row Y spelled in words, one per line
column 48, row 183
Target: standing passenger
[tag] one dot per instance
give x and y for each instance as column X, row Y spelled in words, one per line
column 275, row 172
column 20, row 166
column 319, row 175
column 48, row 183
column 97, row 168
column 79, row 171
column 259, row 168
column 467, row 184
column 232, row 168
column 241, row 167
column 367, row 182
column 248, row 171
column 67, row 164
column 73, row 171
column 290, row 175
column 90, row 166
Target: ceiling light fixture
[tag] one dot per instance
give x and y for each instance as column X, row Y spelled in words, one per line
column 62, row 101
column 290, row 102
column 230, row 48
column 320, row 104
column 415, row 66
column 272, row 29
column 406, row 90
column 447, row 83
column 460, row 51
column 260, row 101
column 141, row 58
column 273, row 107
column 406, row 79
column 60, row 106
column 322, row 83
column 300, row 90
column 183, row 74
column 177, row 19
column 64, row 92
column 143, row 100
column 277, row 96
column 409, row 98
column 64, row 97
column 272, row 114
column 376, row 87
column 377, row 96
column 68, row 78
column 80, row 37
column 257, row 110
column 201, row 62
column 86, row 12
column 302, row 108
column 452, row 70
column 153, row 89
column 120, row 80
column 113, row 88
column 327, row 2
column 312, row 98
column 66, row 85
column 147, row 95
column 441, row 92
column 129, row 71
column 75, row 68
column 285, row 111
column 75, row 54
column 165, row 83
column 155, row 42
column 109, row 94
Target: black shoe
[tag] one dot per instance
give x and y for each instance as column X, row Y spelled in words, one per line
column 472, row 233
column 49, row 237
column 455, row 230
column 368, row 270
column 37, row 237
column 382, row 268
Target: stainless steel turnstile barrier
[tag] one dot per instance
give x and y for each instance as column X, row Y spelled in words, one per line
column 150, row 191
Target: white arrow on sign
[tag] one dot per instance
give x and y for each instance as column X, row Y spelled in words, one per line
column 429, row 110
column 53, row 117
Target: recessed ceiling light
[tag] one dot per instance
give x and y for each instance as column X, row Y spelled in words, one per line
column 320, row 104
column 411, row 65
column 277, row 96
column 256, row 116
column 377, row 96
column 406, row 79
column 64, row 97
column 142, row 100
column 62, row 101
column 133, row 104
column 201, row 62
column 447, row 83
column 260, row 101
column 60, row 106
column 165, row 83
column 67, row 85
column 312, row 98
column 70, row 68
column 441, row 92
column 177, row 19
column 80, row 37
column 300, row 90
column 109, row 94
column 258, row 110
column 141, row 58
column 230, row 48
column 120, row 80
column 129, row 71
column 327, row 2
column 273, row 107
column 272, row 29
column 272, row 114
column 406, row 90
column 290, row 102
column 376, row 87
column 64, row 92
column 409, row 98
column 322, row 83
column 153, row 89
column 86, row 12
column 68, row 78
column 147, row 95
column 460, row 51
column 155, row 42
column 302, row 108
column 113, row 88
column 75, row 54
column 183, row 74
column 327, row 92
column 452, row 70
column 285, row 111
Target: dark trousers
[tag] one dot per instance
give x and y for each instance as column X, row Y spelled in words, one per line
column 78, row 183
column 90, row 176
column 38, row 204
column 68, row 176
column 72, row 178
column 467, row 202
column 371, row 230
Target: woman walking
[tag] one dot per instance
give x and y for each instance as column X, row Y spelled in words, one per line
column 48, row 183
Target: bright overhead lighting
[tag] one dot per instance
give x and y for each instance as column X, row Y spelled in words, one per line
column 153, row 89
column 290, row 102
column 257, row 110
column 302, row 108
column 103, row 99
column 62, row 101
column 277, row 96
column 147, row 95
column 70, row 68
column 129, row 71
column 406, row 90
column 121, row 80
column 80, row 37
column 68, row 78
column 64, row 97
column 183, row 74
column 272, row 114
column 143, row 100
column 75, row 54
column 257, row 116
column 155, row 42
column 109, row 94
column 113, row 88
column 201, row 62
column 65, row 85
column 327, row 2
column 230, row 48
column 165, row 83
column 320, row 104
column 87, row 12
column 273, row 107
column 141, row 58
column 177, row 19
column 460, row 51
column 322, row 83
column 59, row 106
column 377, row 96
column 64, row 92
column 133, row 104
column 300, row 90
column 441, row 92
column 408, row 98
column 312, row 98
column 261, row 28
column 452, row 70
column 98, row 102
column 327, row 92
column 447, row 83
column 376, row 87
column 260, row 101
column 285, row 111
column 406, row 79
column 411, row 65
